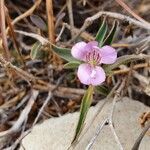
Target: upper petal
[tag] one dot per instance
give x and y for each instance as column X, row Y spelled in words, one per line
column 89, row 75
column 78, row 51
column 108, row 55
column 91, row 45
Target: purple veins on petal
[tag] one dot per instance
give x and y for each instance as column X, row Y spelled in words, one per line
column 89, row 75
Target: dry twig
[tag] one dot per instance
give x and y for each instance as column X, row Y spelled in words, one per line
column 26, row 14
column 90, row 20
column 108, row 119
column 22, row 116
column 127, row 8
column 70, row 12
column 139, row 139
column 2, row 29
column 51, row 31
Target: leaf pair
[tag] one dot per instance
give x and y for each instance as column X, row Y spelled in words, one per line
column 101, row 34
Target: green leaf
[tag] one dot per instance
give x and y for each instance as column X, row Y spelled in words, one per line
column 36, row 52
column 63, row 53
column 72, row 64
column 102, row 90
column 85, row 105
column 110, row 37
column 101, row 32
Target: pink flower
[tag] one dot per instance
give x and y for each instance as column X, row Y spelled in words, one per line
column 90, row 72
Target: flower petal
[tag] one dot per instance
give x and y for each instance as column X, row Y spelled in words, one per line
column 91, row 45
column 108, row 55
column 99, row 77
column 78, row 51
column 83, row 73
column 91, row 75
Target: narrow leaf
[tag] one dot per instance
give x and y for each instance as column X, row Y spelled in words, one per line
column 63, row 53
column 85, row 105
column 39, row 22
column 101, row 32
column 110, row 37
column 36, row 50
column 72, row 65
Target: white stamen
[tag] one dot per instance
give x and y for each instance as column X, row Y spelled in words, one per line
column 93, row 74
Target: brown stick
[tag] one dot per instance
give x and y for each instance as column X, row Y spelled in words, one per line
column 51, row 30
column 144, row 65
column 8, row 19
column 4, row 37
column 70, row 12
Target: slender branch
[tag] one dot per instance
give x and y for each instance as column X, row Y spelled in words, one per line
column 139, row 139
column 98, row 111
column 123, row 71
column 117, row 95
column 61, row 32
column 39, row 84
column 109, row 118
column 70, row 12
column 8, row 19
column 43, row 41
column 129, row 10
column 26, row 14
column 90, row 20
column 43, row 106
column 51, row 31
column 3, row 26
column 99, row 129
column 22, row 116
column 20, row 72
column 51, row 28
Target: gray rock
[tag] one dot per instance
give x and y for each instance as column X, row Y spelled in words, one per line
column 57, row 133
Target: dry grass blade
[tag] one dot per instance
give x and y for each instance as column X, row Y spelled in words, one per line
column 70, row 12
column 128, row 9
column 8, row 19
column 43, row 106
column 51, row 28
column 4, row 36
column 51, row 31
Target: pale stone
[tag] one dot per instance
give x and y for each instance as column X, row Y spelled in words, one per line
column 57, row 133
